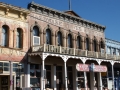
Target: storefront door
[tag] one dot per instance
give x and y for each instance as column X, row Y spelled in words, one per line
column 4, row 82
column 59, row 77
column 70, row 77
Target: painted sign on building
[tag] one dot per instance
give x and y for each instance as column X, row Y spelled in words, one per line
column 86, row 68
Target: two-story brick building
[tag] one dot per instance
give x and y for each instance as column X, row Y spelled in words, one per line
column 13, row 45
column 67, row 51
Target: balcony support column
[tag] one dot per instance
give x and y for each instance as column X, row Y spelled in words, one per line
column 65, row 58
column 113, row 86
column 43, row 56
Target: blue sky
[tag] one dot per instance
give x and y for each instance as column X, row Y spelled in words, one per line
column 104, row 12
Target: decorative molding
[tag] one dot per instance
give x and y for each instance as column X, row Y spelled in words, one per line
column 66, row 57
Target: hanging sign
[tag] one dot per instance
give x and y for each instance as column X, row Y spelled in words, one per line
column 87, row 68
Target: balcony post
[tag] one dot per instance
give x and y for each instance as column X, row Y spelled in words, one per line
column 112, row 63
column 60, row 49
column 74, row 51
column 44, row 47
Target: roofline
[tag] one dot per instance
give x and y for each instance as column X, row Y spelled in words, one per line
column 14, row 7
column 39, row 5
column 112, row 40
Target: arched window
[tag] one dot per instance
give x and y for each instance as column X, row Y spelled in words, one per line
column 35, row 31
column 48, row 36
column 59, row 35
column 102, row 45
column 4, row 36
column 87, row 44
column 19, row 38
column 69, row 40
column 94, row 45
column 79, row 42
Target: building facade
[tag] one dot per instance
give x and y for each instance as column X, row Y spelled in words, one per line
column 67, row 52
column 13, row 45
column 113, row 49
column 58, row 50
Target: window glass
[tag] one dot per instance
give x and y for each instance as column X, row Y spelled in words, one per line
column 35, row 31
column 87, row 44
column 79, row 42
column 19, row 38
column 1, row 64
column 59, row 39
column 94, row 45
column 69, row 41
column 48, row 36
column 6, row 64
column 4, row 36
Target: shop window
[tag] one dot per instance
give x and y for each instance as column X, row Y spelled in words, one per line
column 48, row 76
column 35, row 75
column 19, row 38
column 4, row 36
column 79, row 42
column 59, row 35
column 48, row 36
column 6, row 66
column 69, row 40
column 16, row 69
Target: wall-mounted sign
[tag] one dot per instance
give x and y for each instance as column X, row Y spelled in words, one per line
column 86, row 68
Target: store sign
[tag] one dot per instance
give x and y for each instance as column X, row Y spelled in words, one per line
column 1, row 70
column 8, row 51
column 86, row 68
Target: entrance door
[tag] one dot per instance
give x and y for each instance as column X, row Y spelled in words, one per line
column 70, row 77
column 59, row 77
column 4, row 83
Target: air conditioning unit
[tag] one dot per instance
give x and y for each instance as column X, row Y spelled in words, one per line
column 102, row 51
column 36, row 40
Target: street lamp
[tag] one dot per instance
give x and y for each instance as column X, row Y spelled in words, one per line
column 19, row 67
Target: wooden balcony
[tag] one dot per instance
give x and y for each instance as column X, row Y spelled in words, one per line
column 73, row 51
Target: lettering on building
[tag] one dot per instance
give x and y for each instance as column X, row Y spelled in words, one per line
column 66, row 25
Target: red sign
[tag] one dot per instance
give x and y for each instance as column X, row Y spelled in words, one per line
column 86, row 68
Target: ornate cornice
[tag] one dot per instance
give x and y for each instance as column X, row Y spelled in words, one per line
column 64, row 16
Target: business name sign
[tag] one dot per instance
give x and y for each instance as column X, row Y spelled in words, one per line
column 86, row 68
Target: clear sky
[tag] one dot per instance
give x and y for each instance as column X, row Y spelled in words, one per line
column 104, row 12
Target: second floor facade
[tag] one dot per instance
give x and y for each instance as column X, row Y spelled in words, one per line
column 62, row 29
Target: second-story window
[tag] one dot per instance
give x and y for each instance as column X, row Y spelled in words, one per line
column 94, row 45
column 69, row 40
column 4, row 36
column 59, row 35
column 35, row 31
column 79, row 42
column 36, row 37
column 48, row 36
column 87, row 44
column 19, row 38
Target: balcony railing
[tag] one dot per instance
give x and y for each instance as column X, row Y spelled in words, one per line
column 73, row 51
